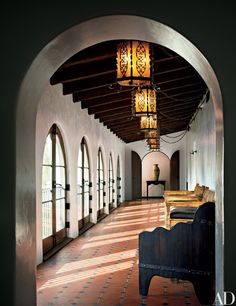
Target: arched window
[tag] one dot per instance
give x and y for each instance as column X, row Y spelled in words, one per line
column 118, row 182
column 100, row 185
column 83, row 185
column 110, row 184
column 53, row 190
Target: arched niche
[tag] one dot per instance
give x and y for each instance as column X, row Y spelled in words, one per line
column 148, row 161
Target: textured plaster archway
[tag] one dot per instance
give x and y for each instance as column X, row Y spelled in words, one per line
column 48, row 60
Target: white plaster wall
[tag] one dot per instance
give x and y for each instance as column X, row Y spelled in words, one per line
column 74, row 123
column 202, row 137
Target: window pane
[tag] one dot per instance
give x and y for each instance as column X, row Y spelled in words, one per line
column 60, row 214
column 47, row 189
column 46, row 219
column 47, row 154
column 86, row 204
column 86, row 180
column 46, row 183
column 86, row 162
column 101, row 199
column 79, row 203
column 60, row 182
column 59, row 153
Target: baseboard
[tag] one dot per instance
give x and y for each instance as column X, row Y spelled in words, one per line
column 57, row 248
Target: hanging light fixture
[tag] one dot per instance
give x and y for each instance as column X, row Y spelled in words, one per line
column 152, row 141
column 154, row 147
column 144, row 101
column 151, row 134
column 134, row 63
column 148, row 123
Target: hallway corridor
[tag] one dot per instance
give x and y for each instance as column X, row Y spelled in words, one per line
column 101, row 266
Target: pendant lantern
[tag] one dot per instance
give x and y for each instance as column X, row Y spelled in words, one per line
column 133, row 63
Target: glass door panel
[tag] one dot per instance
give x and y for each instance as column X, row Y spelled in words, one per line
column 53, row 191
column 83, row 186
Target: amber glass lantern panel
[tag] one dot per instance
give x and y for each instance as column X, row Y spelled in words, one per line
column 148, row 123
column 154, row 147
column 152, row 142
column 133, row 63
column 144, row 101
column 151, row 135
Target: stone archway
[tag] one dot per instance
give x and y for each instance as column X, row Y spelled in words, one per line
column 48, row 60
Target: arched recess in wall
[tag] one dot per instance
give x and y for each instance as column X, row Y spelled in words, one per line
column 100, row 184
column 45, row 64
column 148, row 162
column 136, row 165
column 53, row 191
column 174, row 171
column 111, row 181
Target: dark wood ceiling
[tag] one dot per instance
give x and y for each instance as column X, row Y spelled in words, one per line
column 90, row 77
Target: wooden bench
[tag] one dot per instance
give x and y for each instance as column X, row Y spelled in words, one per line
column 198, row 190
column 185, row 252
column 181, row 203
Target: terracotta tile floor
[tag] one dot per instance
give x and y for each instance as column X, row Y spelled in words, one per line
column 100, row 267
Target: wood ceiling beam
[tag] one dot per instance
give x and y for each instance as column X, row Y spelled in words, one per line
column 118, row 104
column 90, row 67
column 109, row 78
column 121, row 96
column 185, row 85
column 84, row 72
column 172, row 104
column 183, row 109
column 89, row 60
column 115, row 117
column 104, row 91
column 108, row 100
column 185, row 94
column 109, row 117
column 109, row 113
column 109, row 107
column 99, row 93
column 127, row 128
column 116, row 121
column 105, row 81
column 113, row 127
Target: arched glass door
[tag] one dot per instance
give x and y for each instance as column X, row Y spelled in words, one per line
column 110, row 184
column 53, row 191
column 100, row 185
column 83, row 185
column 118, row 182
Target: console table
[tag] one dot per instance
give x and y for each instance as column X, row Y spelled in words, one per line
column 155, row 183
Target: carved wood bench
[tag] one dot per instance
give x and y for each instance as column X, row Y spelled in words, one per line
column 186, row 252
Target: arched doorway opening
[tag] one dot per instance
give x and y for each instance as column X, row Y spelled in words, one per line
column 53, row 191
column 78, row 38
column 136, row 176
column 83, row 187
column 100, row 185
column 174, row 171
column 111, row 190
